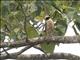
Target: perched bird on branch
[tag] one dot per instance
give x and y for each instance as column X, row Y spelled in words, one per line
column 49, row 31
column 45, row 28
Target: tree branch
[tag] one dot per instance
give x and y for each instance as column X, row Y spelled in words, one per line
column 42, row 56
column 50, row 56
column 53, row 39
column 5, row 49
column 25, row 20
column 37, row 41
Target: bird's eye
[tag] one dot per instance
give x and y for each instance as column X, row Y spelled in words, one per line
column 47, row 18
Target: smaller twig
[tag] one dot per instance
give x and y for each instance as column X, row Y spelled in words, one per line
column 40, row 49
column 25, row 25
column 7, row 28
column 6, row 52
column 5, row 49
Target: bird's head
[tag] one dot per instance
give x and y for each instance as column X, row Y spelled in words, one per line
column 47, row 17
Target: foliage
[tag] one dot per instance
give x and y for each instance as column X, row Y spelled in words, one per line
column 15, row 16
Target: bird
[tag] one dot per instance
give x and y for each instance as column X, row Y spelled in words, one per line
column 43, row 27
column 49, row 25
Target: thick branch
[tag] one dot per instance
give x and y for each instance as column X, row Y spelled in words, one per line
column 50, row 56
column 43, row 56
column 54, row 39
column 13, row 44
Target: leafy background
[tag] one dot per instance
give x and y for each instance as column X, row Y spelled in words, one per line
column 15, row 16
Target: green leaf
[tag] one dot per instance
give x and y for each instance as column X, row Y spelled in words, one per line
column 48, row 47
column 31, row 32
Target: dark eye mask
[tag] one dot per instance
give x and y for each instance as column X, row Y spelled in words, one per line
column 47, row 18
